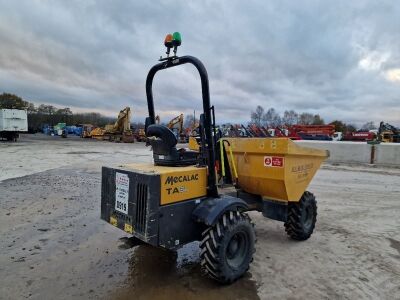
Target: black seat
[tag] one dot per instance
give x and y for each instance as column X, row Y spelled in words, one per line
column 165, row 153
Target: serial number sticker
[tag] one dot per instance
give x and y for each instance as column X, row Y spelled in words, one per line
column 121, row 192
column 128, row 228
column 274, row 161
column 113, row 221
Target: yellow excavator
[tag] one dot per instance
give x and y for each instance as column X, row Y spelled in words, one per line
column 140, row 135
column 120, row 131
column 194, row 138
column 87, row 130
column 177, row 199
column 176, row 125
column 388, row 133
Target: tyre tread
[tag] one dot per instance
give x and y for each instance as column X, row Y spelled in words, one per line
column 211, row 243
column 293, row 225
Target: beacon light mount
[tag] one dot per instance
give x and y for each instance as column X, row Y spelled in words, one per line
column 172, row 41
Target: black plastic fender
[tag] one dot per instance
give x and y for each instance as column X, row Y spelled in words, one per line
column 211, row 209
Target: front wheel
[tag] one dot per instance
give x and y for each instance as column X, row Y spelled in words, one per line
column 302, row 217
column 227, row 247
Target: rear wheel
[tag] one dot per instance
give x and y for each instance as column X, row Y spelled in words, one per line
column 302, row 217
column 227, row 247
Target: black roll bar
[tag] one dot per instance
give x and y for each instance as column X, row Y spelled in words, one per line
column 210, row 147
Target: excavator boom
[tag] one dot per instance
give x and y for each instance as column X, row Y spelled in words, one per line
column 122, row 123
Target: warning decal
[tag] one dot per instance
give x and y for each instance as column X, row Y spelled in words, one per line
column 273, row 161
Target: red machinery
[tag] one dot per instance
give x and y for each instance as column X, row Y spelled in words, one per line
column 359, row 136
column 314, row 132
column 284, row 132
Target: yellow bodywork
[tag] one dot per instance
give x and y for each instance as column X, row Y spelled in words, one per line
column 275, row 168
column 193, row 144
column 386, row 137
column 97, row 133
column 177, row 183
column 108, row 127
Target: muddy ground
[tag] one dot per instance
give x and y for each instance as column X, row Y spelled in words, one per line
column 54, row 246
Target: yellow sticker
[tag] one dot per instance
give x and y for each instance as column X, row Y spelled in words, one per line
column 113, row 221
column 128, row 228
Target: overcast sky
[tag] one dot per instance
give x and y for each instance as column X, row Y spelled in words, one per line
column 340, row 59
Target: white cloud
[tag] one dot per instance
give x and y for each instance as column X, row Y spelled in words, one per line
column 393, row 75
column 374, row 60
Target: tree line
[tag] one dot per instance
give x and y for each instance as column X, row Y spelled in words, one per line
column 44, row 114
column 271, row 118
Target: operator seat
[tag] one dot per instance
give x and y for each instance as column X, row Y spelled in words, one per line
column 163, row 141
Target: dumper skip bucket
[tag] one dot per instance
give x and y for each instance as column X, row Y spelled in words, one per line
column 275, row 168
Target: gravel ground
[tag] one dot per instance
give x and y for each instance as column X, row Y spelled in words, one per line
column 54, row 246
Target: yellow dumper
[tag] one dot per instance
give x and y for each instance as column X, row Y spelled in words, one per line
column 182, row 197
column 274, row 168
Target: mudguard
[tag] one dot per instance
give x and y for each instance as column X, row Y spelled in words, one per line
column 210, row 209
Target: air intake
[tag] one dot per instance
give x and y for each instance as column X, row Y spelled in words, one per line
column 141, row 208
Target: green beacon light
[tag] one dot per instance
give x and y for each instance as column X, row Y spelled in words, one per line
column 176, row 41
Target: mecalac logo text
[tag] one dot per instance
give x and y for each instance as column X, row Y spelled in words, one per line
column 184, row 178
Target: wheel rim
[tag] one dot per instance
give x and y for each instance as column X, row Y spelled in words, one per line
column 237, row 249
column 308, row 216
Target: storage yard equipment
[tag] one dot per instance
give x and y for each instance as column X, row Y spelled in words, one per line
column 284, row 132
column 60, row 129
column 314, row 132
column 388, row 133
column 337, row 136
column 120, row 131
column 176, row 125
column 140, row 135
column 86, row 130
column 177, row 200
column 359, row 136
column 12, row 122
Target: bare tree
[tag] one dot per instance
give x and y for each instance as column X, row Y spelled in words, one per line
column 351, row 128
column 47, row 109
column 318, row 120
column 306, row 119
column 31, row 109
column 368, row 126
column 271, row 118
column 12, row 101
column 64, row 111
column 339, row 125
column 290, row 117
column 257, row 116
column 190, row 121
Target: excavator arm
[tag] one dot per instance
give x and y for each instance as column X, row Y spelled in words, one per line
column 177, row 120
column 123, row 121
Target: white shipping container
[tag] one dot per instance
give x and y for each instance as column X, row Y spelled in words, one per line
column 13, row 120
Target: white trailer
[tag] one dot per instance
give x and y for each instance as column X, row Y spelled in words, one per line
column 12, row 122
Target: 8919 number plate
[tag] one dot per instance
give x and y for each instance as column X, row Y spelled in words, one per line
column 121, row 192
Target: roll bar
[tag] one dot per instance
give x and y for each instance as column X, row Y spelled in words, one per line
column 210, row 150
